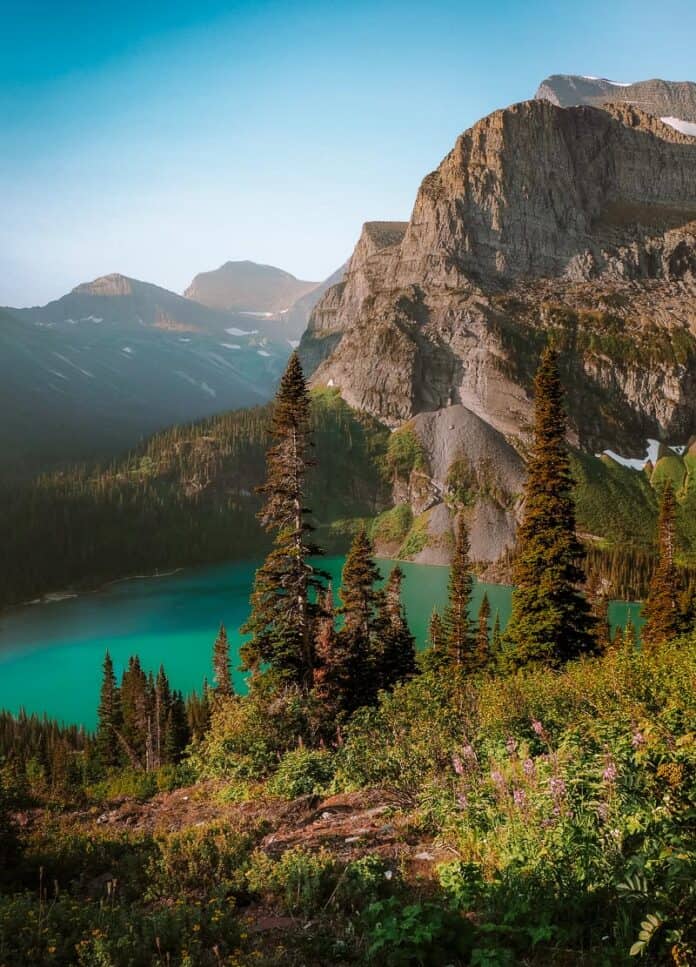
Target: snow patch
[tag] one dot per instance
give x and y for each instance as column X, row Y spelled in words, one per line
column 257, row 315
column 56, row 373
column 208, row 389
column 91, row 319
column 686, row 127
column 262, row 352
column 294, row 343
column 128, row 350
column 184, row 339
column 651, row 455
column 233, row 331
column 230, row 345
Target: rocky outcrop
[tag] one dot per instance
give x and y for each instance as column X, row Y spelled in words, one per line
column 673, row 99
column 579, row 222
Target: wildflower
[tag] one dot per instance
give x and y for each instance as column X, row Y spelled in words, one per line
column 538, row 727
column 497, row 777
column 610, row 772
column 462, row 801
column 511, row 745
column 637, row 739
column 458, row 764
column 557, row 787
column 469, row 752
column 529, row 767
column 520, row 797
column 603, row 811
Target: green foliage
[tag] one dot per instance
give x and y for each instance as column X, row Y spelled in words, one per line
column 302, row 772
column 405, row 453
column 425, row 933
column 392, row 526
column 64, row 930
column 300, row 881
column 416, row 540
column 205, row 861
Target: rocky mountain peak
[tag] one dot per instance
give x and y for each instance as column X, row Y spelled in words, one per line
column 675, row 100
column 106, row 285
column 574, row 223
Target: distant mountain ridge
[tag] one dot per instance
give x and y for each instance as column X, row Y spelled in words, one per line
column 246, row 286
column 88, row 375
column 672, row 101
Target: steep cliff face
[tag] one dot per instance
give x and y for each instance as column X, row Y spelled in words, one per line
column 576, row 221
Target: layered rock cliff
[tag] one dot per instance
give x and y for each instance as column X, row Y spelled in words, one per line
column 576, row 221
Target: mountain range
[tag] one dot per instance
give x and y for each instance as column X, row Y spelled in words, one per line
column 91, row 373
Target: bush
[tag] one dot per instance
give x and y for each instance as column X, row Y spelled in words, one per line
column 66, row 931
column 302, row 772
column 203, row 861
column 399, row 935
column 300, row 881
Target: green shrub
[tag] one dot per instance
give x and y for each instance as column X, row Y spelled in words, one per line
column 405, row 453
column 393, row 525
column 203, row 861
column 399, row 934
column 301, row 772
column 300, row 881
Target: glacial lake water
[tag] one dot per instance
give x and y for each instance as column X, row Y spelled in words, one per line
column 51, row 654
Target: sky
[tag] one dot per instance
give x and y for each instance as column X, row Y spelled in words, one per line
column 161, row 139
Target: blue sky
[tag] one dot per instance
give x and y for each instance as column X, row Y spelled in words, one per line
column 161, row 139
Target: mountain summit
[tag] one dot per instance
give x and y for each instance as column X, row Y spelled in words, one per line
column 672, row 101
column 248, row 287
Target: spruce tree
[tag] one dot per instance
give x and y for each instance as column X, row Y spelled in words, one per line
column 458, row 630
column 661, row 608
column 483, row 650
column 283, row 611
column 435, row 657
column 550, row 620
column 396, row 658
column 497, row 638
column 360, row 602
column 108, row 718
column 222, row 674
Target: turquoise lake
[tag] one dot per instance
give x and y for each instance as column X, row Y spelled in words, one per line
column 51, row 654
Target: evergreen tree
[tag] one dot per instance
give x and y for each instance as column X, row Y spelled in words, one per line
column 160, row 716
column 108, row 718
column 497, row 639
column 177, row 734
column 458, row 631
column 434, row 658
column 360, row 610
column 282, row 609
column 483, row 651
column 661, row 608
column 222, row 674
column 396, row 659
column 135, row 710
column 550, row 619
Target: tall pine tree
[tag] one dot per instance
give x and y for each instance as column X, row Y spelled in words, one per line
column 283, row 609
column 550, row 620
column 661, row 608
column 458, row 630
column 109, row 721
column 483, row 651
column 360, row 602
column 222, row 674
column 396, row 659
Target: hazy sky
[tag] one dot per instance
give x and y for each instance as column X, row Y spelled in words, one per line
column 161, row 139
